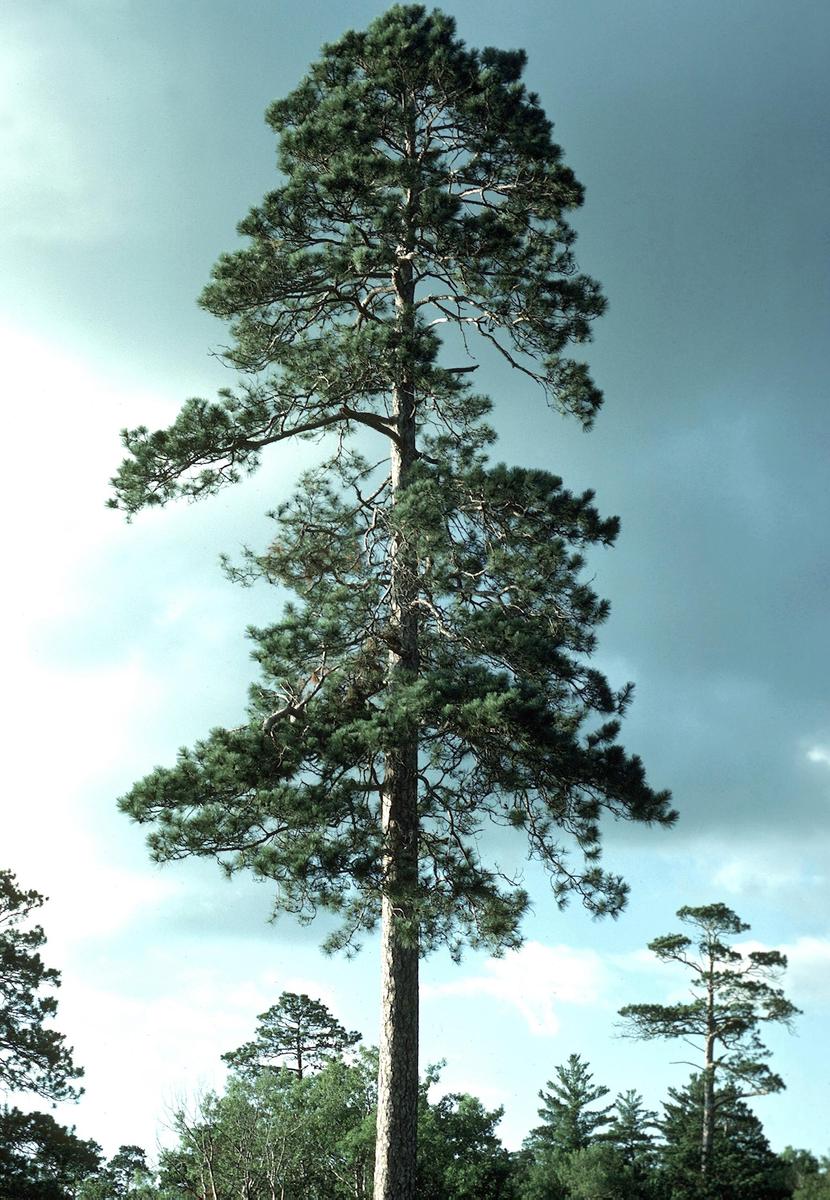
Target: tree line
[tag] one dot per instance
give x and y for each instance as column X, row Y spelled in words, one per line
column 298, row 1117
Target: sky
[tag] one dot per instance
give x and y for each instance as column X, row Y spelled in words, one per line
column 131, row 142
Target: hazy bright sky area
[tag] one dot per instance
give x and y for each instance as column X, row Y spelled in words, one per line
column 131, row 142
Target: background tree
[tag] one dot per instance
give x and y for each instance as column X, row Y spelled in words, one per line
column 33, row 1058
column 569, row 1122
column 733, row 994
column 596, row 1172
column 460, row 1155
column 569, row 1126
column 276, row 1135
column 432, row 675
column 631, row 1133
column 742, row 1165
column 296, row 1033
column 632, row 1127
column 128, row 1169
column 127, row 1176
column 809, row 1176
column 42, row 1160
column 590, row 1154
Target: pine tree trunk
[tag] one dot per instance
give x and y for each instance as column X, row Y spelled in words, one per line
column 708, row 1131
column 395, row 1156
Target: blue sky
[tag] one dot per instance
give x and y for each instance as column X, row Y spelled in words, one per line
column 131, row 142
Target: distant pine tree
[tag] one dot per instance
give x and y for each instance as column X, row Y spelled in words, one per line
column 297, row 1033
column 569, row 1122
column 742, row 1165
column 734, row 994
column 33, row 1057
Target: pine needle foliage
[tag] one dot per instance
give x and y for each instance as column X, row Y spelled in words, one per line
column 297, row 1034
column 499, row 703
column 502, row 694
column 569, row 1120
column 432, row 675
column 743, row 1167
column 404, row 154
column 33, row 1057
column 733, row 995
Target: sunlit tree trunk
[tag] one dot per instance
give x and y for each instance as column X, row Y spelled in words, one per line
column 398, row 1075
column 398, row 1066
column 708, row 1131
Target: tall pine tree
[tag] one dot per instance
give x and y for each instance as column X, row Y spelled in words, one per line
column 733, row 995
column 431, row 675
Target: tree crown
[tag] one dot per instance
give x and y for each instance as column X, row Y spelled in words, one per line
column 401, row 146
column 733, row 993
column 423, row 197
column 296, row 1034
column 569, row 1121
column 33, row 1057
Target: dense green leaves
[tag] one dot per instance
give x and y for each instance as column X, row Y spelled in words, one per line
column 460, row 1156
column 33, row 1057
column 40, row 1159
column 127, row 1176
column 808, row 1176
column 743, row 1167
column 277, row 1135
column 272, row 1133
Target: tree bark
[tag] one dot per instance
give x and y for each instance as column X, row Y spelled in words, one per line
column 708, row 1131
column 395, row 1156
column 398, row 1065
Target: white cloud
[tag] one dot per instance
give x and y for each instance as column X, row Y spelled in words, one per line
column 760, row 872
column 63, row 419
column 808, row 973
column 778, row 869
column 535, row 980
column 139, row 1055
column 64, row 730
column 819, row 754
column 92, row 901
column 64, row 726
